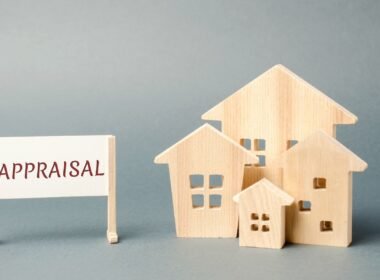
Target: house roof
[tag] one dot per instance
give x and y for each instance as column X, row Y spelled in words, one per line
column 322, row 139
column 162, row 157
column 216, row 113
column 272, row 189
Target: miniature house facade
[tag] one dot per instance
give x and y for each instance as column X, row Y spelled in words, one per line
column 318, row 174
column 206, row 171
column 262, row 215
column 272, row 113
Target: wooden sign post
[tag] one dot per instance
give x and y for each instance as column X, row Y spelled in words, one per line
column 60, row 166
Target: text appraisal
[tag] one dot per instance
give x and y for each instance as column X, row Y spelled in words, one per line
column 44, row 170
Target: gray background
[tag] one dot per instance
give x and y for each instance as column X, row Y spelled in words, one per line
column 145, row 71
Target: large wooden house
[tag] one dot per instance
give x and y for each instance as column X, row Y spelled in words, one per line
column 271, row 113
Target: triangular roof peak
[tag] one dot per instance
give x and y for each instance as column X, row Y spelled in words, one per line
column 272, row 189
column 216, row 113
column 321, row 139
column 162, row 157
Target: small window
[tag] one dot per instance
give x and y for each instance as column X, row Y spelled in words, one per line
column 304, row 205
column 196, row 181
column 259, row 144
column 265, row 228
column 319, row 183
column 197, row 200
column 246, row 143
column 215, row 201
column 291, row 143
column 216, row 181
column 326, row 226
column 254, row 216
column 254, row 227
column 265, row 217
column 261, row 162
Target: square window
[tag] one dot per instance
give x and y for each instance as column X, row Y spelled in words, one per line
column 319, row 183
column 304, row 205
column 215, row 201
column 326, row 226
column 246, row 143
column 254, row 216
column 265, row 217
column 259, row 144
column 265, row 228
column 261, row 162
column 196, row 181
column 291, row 143
column 197, row 200
column 254, row 227
column 216, row 181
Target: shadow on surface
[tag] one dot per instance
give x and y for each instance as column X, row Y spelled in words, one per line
column 82, row 233
column 48, row 235
column 366, row 229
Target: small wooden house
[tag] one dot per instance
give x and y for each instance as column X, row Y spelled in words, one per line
column 318, row 174
column 272, row 113
column 262, row 215
column 206, row 171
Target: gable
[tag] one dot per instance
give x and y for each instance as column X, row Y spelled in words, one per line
column 206, row 145
column 325, row 146
column 267, row 189
column 283, row 95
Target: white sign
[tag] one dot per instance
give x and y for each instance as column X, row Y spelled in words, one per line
column 59, row 166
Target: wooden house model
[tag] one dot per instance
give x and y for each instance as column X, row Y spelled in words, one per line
column 262, row 215
column 206, row 171
column 277, row 145
column 318, row 174
column 271, row 113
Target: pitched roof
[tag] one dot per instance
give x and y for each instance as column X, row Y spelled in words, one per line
column 324, row 140
column 206, row 127
column 285, row 198
column 215, row 113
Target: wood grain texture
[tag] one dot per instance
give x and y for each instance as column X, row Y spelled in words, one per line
column 111, row 213
column 278, row 106
column 318, row 172
column 262, row 215
column 206, row 152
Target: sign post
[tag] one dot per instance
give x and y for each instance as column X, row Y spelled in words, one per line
column 112, row 230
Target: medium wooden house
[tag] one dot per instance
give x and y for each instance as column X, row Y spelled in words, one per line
column 318, row 174
column 272, row 113
column 262, row 215
column 206, row 171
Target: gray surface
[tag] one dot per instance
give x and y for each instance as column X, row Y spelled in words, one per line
column 146, row 71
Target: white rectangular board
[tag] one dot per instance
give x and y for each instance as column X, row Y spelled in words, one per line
column 54, row 166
